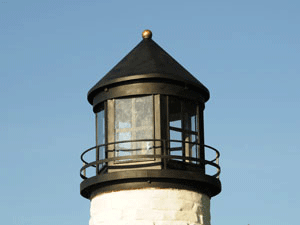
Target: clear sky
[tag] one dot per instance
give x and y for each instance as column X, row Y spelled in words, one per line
column 246, row 52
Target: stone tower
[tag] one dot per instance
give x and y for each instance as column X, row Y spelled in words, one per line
column 149, row 165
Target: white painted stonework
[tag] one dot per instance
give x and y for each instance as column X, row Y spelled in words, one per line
column 150, row 207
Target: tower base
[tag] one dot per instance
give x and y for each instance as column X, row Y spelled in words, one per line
column 150, row 206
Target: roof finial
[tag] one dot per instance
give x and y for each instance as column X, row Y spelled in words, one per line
column 147, row 34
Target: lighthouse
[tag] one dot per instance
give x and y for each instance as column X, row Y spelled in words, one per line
column 150, row 165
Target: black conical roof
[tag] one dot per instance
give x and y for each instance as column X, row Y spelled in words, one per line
column 148, row 60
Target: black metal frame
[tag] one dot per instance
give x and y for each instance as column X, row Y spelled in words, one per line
column 146, row 87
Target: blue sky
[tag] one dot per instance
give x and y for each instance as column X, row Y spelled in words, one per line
column 246, row 52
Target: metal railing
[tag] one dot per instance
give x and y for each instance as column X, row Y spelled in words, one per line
column 160, row 154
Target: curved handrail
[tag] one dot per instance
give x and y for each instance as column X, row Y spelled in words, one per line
column 188, row 160
column 117, row 142
column 141, row 140
column 94, row 163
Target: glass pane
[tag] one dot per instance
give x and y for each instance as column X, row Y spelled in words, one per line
column 194, row 148
column 134, row 121
column 194, row 123
column 123, row 113
column 123, row 149
column 100, row 139
column 144, row 147
column 143, row 112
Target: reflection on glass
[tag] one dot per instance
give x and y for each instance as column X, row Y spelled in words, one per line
column 100, row 139
column 123, row 114
column 134, row 121
column 124, row 148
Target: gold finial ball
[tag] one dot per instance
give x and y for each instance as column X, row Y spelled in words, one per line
column 147, row 34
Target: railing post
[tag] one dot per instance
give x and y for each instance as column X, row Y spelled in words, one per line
column 97, row 159
column 84, row 171
column 217, row 162
column 154, row 149
column 164, row 148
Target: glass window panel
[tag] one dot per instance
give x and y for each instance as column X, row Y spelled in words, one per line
column 194, row 123
column 145, row 147
column 100, row 128
column 194, row 147
column 123, row 113
column 123, row 149
column 124, row 136
column 100, row 139
column 134, row 121
column 144, row 111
